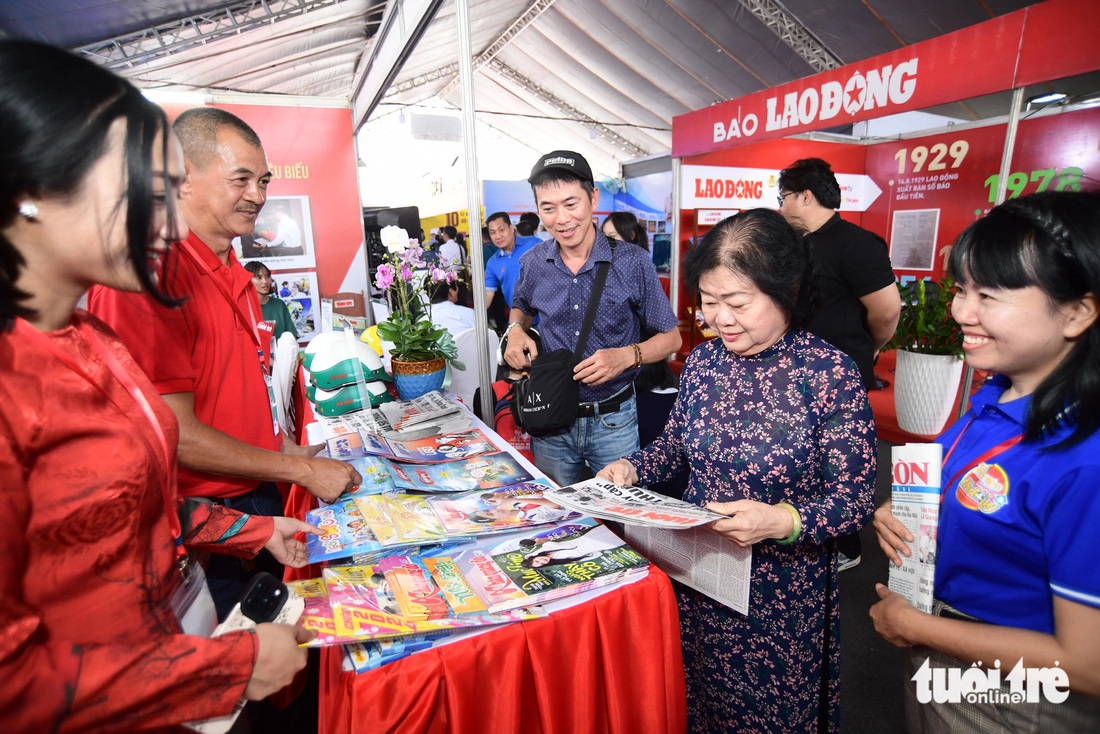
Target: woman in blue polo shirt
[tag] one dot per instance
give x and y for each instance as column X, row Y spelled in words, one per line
column 1018, row 558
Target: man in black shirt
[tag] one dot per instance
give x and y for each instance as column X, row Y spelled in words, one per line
column 859, row 301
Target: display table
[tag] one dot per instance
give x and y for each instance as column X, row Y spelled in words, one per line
column 611, row 664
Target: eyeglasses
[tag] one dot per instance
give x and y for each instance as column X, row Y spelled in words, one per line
column 781, row 197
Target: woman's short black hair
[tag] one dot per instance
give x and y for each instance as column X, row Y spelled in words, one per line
column 1049, row 240
column 255, row 266
column 56, row 110
column 760, row 246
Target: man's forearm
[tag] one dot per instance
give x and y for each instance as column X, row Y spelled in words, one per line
column 203, row 448
column 659, row 346
column 520, row 317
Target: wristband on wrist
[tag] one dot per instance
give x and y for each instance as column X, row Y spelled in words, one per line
column 796, row 532
column 509, row 328
column 637, row 356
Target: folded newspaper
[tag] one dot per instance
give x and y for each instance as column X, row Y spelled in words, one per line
column 428, row 408
column 915, row 500
column 630, row 505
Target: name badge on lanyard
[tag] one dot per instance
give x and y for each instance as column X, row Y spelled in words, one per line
column 192, row 603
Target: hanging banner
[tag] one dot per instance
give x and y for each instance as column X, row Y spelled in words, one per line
column 970, row 62
column 721, row 187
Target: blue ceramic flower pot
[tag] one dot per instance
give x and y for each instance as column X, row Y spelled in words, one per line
column 414, row 379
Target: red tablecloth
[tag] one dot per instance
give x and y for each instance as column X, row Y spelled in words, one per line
column 609, row 665
column 612, row 664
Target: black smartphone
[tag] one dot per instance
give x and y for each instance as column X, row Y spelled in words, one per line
column 264, row 598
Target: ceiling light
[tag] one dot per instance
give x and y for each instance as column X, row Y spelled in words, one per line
column 1045, row 99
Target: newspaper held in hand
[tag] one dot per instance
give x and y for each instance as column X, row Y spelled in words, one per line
column 915, row 501
column 698, row 557
column 630, row 505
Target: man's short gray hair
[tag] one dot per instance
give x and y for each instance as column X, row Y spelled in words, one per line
column 197, row 129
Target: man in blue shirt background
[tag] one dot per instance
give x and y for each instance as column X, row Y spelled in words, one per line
column 502, row 270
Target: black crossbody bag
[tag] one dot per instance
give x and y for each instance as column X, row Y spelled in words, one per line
column 545, row 399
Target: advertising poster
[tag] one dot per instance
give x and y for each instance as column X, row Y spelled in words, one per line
column 935, row 186
column 283, row 237
column 298, row 290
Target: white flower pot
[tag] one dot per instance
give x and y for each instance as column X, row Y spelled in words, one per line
column 925, row 386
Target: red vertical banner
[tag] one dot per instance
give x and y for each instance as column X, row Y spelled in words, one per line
column 311, row 152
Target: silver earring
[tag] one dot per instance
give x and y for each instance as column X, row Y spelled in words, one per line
column 28, row 209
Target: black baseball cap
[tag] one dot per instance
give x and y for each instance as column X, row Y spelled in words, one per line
column 563, row 160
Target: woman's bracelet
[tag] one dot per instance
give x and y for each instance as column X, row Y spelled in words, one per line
column 637, row 356
column 796, row 533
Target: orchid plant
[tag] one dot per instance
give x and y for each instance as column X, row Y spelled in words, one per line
column 406, row 278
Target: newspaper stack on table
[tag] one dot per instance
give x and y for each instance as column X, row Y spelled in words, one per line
column 915, row 500
column 430, row 407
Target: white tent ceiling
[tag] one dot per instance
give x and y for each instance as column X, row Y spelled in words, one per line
column 604, row 77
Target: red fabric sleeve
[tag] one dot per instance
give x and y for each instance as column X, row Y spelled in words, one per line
column 146, row 687
column 217, row 529
column 150, row 679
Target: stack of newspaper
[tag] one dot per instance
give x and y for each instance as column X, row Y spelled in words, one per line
column 432, row 409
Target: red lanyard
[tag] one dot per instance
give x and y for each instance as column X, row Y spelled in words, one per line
column 983, row 458
column 249, row 322
column 127, row 381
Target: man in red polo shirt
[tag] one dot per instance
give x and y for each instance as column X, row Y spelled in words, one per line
column 208, row 357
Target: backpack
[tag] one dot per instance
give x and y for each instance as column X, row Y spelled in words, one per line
column 504, row 422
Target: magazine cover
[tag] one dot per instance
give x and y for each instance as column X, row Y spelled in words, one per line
column 418, row 595
column 346, row 532
column 402, row 519
column 488, row 471
column 447, row 447
column 428, row 450
column 376, row 476
column 542, row 564
column 376, row 514
column 355, row 445
column 364, row 605
column 498, row 510
column 435, row 549
column 318, row 613
column 915, row 500
column 631, row 505
column 373, row 654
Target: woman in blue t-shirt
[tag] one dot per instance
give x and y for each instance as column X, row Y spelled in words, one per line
column 1017, row 580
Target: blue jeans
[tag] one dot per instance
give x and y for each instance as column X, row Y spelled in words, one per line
column 595, row 442
column 228, row 576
